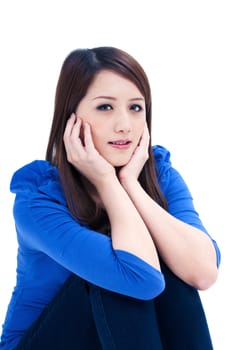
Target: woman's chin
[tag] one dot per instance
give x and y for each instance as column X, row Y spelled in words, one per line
column 119, row 164
column 118, row 161
column 117, row 158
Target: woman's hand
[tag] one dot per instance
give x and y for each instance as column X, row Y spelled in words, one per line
column 132, row 169
column 83, row 155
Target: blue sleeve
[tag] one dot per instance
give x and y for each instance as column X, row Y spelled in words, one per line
column 46, row 225
column 177, row 194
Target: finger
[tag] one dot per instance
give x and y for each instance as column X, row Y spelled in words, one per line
column 145, row 138
column 75, row 132
column 69, row 126
column 72, row 141
column 89, row 145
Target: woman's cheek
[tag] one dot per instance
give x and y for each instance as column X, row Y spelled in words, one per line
column 97, row 141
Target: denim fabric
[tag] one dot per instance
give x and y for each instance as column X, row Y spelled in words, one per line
column 123, row 322
column 66, row 323
column 83, row 316
column 181, row 317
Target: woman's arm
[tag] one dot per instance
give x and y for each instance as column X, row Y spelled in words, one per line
column 48, row 235
column 128, row 231
column 187, row 250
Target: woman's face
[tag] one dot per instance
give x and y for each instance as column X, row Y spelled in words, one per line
column 115, row 110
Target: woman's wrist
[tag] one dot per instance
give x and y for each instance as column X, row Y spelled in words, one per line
column 106, row 183
column 129, row 184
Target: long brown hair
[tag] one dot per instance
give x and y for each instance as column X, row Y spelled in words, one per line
column 77, row 73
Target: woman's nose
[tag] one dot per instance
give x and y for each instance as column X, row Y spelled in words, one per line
column 123, row 123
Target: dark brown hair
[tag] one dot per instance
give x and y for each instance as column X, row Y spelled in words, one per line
column 77, row 73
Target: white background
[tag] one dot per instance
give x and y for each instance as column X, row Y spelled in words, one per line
column 186, row 50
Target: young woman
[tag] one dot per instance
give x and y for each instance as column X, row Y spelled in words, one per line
column 111, row 250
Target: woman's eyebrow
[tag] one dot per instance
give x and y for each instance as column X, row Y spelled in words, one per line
column 114, row 98
column 137, row 99
column 105, row 97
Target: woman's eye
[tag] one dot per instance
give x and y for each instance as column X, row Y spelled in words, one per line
column 104, row 107
column 136, row 108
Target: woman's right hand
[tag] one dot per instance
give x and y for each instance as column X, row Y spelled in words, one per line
column 83, row 155
column 130, row 235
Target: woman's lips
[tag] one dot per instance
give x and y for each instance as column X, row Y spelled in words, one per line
column 120, row 144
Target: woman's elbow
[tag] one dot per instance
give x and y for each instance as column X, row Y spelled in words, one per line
column 206, row 279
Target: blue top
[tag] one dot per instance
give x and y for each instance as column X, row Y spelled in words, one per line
column 52, row 244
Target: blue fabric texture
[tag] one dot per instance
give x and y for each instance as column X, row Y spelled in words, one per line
column 52, row 245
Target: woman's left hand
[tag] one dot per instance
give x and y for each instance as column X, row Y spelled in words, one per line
column 132, row 169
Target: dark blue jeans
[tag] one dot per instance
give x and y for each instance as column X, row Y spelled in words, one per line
column 85, row 317
column 181, row 317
